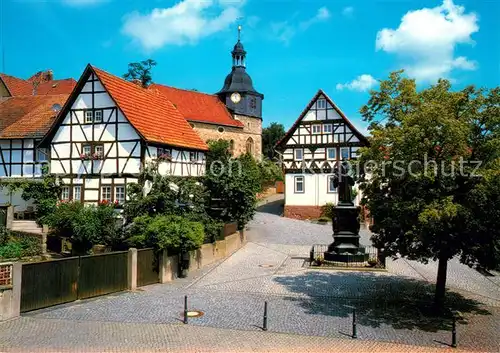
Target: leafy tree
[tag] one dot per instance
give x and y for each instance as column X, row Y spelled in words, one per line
column 270, row 136
column 422, row 189
column 235, row 182
column 141, row 71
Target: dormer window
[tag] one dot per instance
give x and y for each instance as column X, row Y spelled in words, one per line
column 316, row 129
column 88, row 116
column 98, row 116
column 321, row 103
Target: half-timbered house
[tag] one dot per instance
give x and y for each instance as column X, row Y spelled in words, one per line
column 108, row 129
column 320, row 139
column 24, row 120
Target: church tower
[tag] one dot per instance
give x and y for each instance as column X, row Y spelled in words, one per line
column 242, row 99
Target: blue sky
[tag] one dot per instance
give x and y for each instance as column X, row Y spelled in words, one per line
column 294, row 47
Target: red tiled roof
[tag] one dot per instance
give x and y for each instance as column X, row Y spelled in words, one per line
column 155, row 117
column 28, row 116
column 64, row 86
column 197, row 106
column 20, row 87
column 17, row 86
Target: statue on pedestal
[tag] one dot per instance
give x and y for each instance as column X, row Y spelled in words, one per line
column 345, row 246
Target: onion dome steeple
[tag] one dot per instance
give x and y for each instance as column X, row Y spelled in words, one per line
column 238, row 92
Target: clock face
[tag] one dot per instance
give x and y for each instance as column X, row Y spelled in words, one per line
column 235, row 97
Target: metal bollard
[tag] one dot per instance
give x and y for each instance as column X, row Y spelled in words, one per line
column 264, row 326
column 454, row 332
column 185, row 309
column 354, row 328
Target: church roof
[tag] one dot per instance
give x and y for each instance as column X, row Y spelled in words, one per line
column 238, row 80
column 198, row 106
column 28, row 116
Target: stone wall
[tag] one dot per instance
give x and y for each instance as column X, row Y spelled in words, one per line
column 204, row 256
column 252, row 129
column 302, row 212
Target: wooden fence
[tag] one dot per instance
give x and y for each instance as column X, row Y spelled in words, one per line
column 64, row 280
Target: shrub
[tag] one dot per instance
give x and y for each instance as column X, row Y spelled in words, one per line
column 85, row 226
column 11, row 250
column 269, row 172
column 4, row 235
column 171, row 233
column 327, row 210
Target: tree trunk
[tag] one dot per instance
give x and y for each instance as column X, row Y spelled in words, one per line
column 441, row 282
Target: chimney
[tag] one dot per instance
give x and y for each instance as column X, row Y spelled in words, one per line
column 137, row 82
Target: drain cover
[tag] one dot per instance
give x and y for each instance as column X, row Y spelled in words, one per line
column 266, row 265
column 194, row 313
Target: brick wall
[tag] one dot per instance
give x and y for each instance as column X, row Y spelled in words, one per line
column 302, row 212
column 5, row 274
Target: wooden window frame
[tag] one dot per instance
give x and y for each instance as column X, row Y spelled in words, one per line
column 324, row 128
column 295, row 154
column 101, row 198
column 63, row 189
column 295, row 181
column 95, row 116
column 348, row 153
column 328, row 154
column 86, row 117
column 314, row 126
column 116, row 193
column 322, row 100
column 74, row 193
column 328, row 184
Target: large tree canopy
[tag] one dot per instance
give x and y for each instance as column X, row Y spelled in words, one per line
column 431, row 176
column 270, row 136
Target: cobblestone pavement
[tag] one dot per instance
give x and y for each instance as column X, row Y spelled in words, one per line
column 40, row 335
column 302, row 301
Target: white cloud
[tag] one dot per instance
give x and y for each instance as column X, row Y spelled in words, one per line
column 348, row 11
column 284, row 31
column 321, row 15
column 362, row 83
column 426, row 39
column 184, row 23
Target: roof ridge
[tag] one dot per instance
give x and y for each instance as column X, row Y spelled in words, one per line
column 184, row 89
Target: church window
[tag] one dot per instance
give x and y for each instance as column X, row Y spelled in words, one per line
column 249, row 145
column 98, row 116
column 231, row 147
column 253, row 103
column 331, row 184
column 299, row 184
column 220, row 129
column 321, row 103
column 327, row 128
column 88, row 116
column 316, row 129
column 299, row 154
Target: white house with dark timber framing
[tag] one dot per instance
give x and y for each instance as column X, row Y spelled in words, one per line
column 320, row 139
column 24, row 120
column 108, row 129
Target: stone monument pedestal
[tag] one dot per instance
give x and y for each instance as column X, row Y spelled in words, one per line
column 345, row 246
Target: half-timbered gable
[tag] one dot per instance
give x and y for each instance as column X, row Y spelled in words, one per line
column 108, row 128
column 317, row 142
